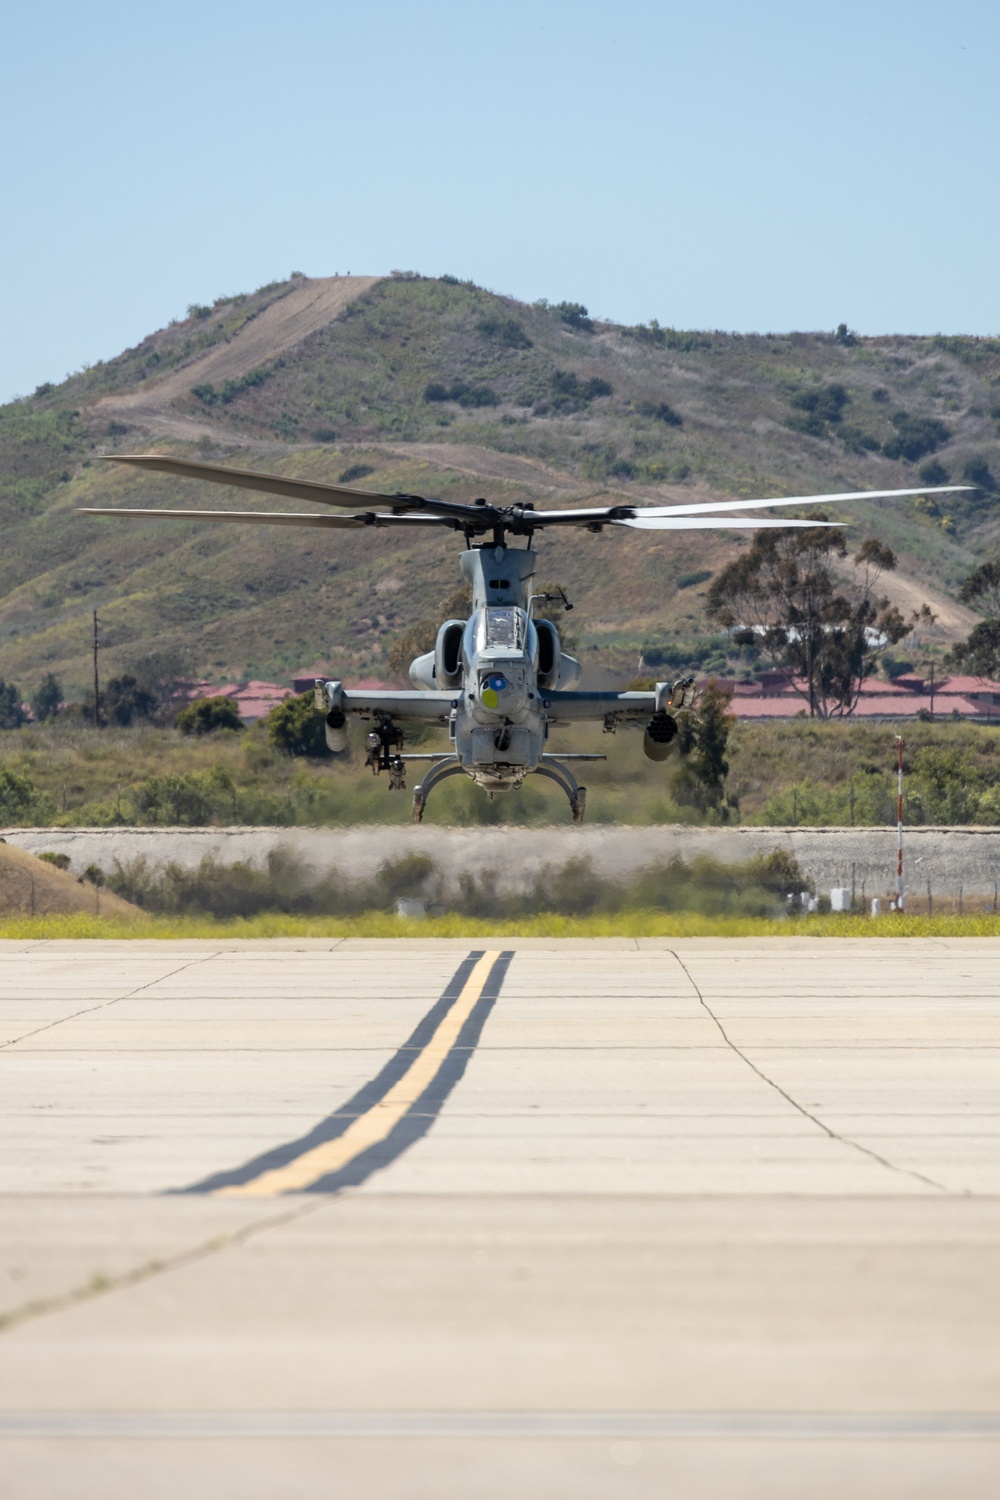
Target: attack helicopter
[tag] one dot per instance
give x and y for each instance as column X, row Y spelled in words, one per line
column 500, row 680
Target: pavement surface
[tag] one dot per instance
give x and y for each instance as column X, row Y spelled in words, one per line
column 421, row 1220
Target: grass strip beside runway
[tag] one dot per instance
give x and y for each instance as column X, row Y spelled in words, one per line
column 386, row 925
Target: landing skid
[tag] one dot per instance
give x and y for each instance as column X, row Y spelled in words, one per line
column 443, row 769
column 549, row 767
column 577, row 794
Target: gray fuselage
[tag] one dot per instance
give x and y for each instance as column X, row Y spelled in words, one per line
column 500, row 663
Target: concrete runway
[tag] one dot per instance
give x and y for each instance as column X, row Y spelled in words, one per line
column 423, row 1220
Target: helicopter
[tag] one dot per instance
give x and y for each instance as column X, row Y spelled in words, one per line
column 499, row 681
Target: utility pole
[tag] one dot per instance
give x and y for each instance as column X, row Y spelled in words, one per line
column 97, row 685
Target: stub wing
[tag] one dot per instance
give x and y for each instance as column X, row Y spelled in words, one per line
column 665, row 697
column 431, row 708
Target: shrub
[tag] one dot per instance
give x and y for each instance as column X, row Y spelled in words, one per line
column 574, row 315
column 191, row 800
column 325, row 435
column 856, row 441
column 12, row 714
column 48, row 699
column 933, row 473
column 977, row 472
column 464, row 394
column 61, row 861
column 570, row 393
column 210, row 395
column 660, row 411
column 601, row 461
column 19, row 799
column 506, row 331
column 819, row 407
column 126, row 700
column 915, row 437
column 296, row 728
column 680, row 341
column 206, row 715
column 286, row 427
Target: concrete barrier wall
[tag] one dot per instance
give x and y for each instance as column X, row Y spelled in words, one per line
column 956, row 861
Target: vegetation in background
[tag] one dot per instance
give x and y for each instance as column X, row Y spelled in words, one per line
column 803, row 771
column 286, row 884
column 12, row 714
column 48, row 698
column 207, row 715
column 703, row 740
column 125, row 700
column 980, row 652
column 296, row 728
column 781, row 596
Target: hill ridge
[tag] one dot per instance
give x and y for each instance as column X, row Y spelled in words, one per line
column 439, row 387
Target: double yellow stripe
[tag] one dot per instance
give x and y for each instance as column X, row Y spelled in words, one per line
column 377, row 1123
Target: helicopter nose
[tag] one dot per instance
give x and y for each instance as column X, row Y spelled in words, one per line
column 491, row 688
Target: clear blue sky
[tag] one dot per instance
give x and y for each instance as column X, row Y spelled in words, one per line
column 734, row 164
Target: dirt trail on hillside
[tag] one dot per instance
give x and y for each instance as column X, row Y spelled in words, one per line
column 280, row 327
column 953, row 622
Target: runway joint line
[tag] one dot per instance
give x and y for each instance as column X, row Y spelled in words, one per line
column 772, row 1084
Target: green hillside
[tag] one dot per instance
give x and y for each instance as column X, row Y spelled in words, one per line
column 440, row 387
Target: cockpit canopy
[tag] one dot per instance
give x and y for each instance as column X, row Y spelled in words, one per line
column 501, row 635
column 501, row 628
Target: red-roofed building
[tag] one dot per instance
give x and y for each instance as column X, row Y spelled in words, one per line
column 254, row 699
column 304, row 682
column 775, row 697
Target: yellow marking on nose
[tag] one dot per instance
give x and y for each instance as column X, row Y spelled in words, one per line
column 378, row 1122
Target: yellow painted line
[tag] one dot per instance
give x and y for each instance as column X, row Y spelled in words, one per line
column 378, row 1122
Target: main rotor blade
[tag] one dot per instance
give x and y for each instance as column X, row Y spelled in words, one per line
column 595, row 516
column 707, row 506
column 642, row 522
column 293, row 489
column 644, row 515
column 273, row 518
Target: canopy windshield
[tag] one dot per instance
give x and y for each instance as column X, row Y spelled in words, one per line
column 501, row 628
